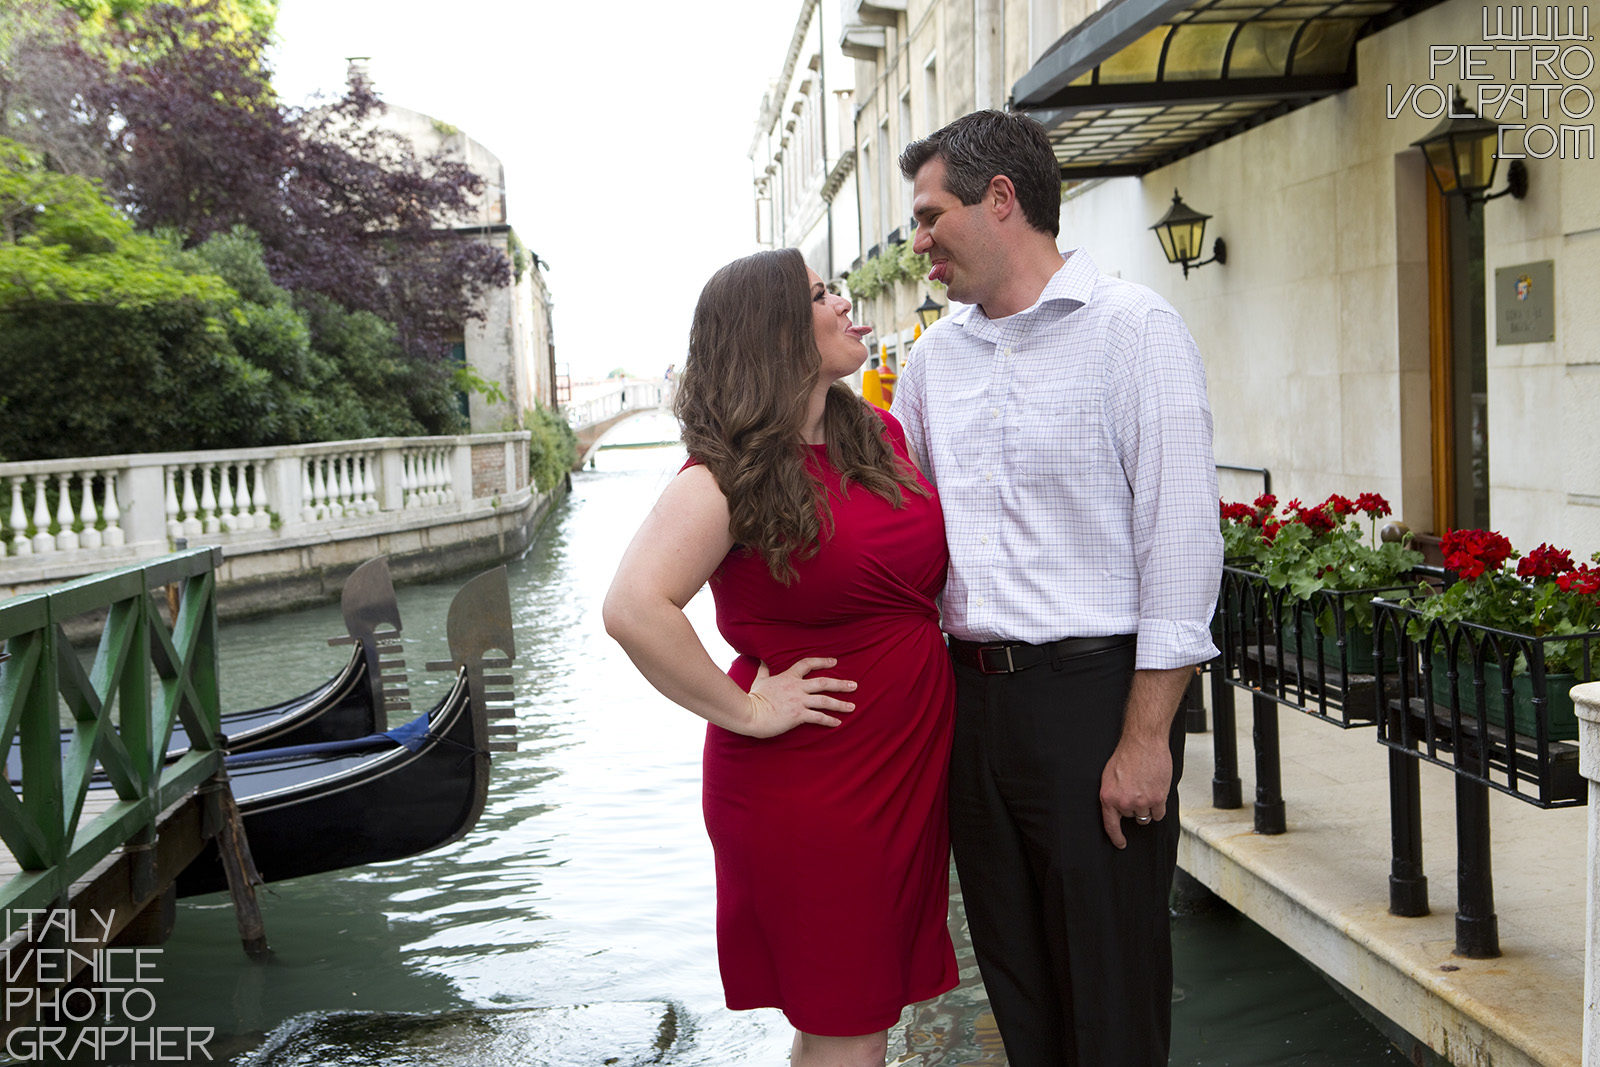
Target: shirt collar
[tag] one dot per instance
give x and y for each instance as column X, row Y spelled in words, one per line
column 1072, row 283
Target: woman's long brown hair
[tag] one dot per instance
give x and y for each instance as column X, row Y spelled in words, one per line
column 742, row 399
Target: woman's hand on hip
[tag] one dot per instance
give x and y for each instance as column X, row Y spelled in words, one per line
column 780, row 702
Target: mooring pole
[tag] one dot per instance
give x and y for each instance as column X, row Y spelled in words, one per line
column 233, row 848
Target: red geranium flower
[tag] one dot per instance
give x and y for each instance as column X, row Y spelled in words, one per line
column 1339, row 505
column 1238, row 512
column 1544, row 562
column 1582, row 579
column 1317, row 518
column 1374, row 505
column 1472, row 552
column 1266, row 502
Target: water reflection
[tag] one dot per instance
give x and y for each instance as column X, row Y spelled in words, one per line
column 575, row 924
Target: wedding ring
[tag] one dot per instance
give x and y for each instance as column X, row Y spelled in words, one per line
column 1142, row 819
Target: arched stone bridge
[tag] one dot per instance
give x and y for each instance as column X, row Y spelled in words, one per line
column 592, row 416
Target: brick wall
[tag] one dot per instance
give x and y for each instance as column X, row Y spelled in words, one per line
column 488, row 470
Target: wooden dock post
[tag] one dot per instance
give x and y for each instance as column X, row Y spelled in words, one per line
column 221, row 818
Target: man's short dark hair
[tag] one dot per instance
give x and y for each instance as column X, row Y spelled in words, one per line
column 978, row 146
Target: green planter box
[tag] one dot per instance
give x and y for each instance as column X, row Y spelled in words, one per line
column 1563, row 717
column 1313, row 642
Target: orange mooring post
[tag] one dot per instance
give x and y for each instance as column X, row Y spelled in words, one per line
column 872, row 389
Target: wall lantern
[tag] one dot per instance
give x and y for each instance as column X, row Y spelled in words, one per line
column 1461, row 156
column 1182, row 232
column 929, row 311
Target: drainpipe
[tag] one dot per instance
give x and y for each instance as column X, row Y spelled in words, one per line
column 988, row 53
column 855, row 173
column 1586, row 701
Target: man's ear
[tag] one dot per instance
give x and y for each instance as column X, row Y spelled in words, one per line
column 1000, row 197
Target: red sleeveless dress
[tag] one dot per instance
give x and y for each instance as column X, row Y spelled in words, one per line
column 831, row 843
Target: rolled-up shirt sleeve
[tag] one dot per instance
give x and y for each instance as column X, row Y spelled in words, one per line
column 1161, row 423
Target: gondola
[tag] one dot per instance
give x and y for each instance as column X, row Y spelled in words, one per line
column 312, row 808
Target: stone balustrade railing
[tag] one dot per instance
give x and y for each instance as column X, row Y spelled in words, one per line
column 105, row 509
column 632, row 395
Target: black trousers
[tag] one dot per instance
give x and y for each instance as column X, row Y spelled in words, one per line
column 1072, row 935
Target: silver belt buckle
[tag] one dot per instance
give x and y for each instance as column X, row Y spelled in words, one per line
column 983, row 662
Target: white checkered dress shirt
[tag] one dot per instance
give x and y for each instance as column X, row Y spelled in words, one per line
column 1071, row 444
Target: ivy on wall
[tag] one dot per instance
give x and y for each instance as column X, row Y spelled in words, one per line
column 894, row 264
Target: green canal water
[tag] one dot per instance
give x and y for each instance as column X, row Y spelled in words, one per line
column 574, row 925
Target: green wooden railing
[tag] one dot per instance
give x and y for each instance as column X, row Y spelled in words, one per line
column 119, row 714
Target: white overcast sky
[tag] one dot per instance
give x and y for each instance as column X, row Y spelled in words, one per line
column 624, row 127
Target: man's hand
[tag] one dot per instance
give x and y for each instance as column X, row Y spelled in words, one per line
column 1138, row 776
column 1134, row 785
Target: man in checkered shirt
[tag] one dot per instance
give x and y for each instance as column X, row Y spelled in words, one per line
column 1062, row 415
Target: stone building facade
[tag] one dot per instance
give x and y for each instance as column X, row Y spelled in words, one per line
column 803, row 153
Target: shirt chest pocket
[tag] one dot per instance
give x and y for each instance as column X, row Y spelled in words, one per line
column 1059, row 440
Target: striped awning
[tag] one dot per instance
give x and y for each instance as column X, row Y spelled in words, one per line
column 1141, row 83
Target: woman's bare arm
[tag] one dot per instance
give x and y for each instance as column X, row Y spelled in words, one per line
column 681, row 543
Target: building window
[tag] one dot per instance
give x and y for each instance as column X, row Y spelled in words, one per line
column 886, row 155
column 931, row 111
column 868, row 182
column 907, row 135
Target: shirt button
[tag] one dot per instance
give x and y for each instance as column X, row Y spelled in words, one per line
column 994, row 413
column 988, row 476
column 980, row 602
column 984, row 539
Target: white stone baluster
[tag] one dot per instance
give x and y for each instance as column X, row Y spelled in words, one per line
column 374, row 505
column 319, row 488
column 89, row 513
column 192, row 526
column 244, row 520
column 208, row 500
column 408, row 479
column 327, row 466
column 42, row 541
column 425, row 489
column 111, row 511
column 435, row 477
column 20, row 545
column 263, row 518
column 447, row 481
column 225, row 498
column 360, row 494
column 330, row 470
column 174, row 516
column 66, row 539
column 308, row 509
column 347, row 495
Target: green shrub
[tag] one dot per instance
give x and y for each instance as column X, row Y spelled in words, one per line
column 553, row 448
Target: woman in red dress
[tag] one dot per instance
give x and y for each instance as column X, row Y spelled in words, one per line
column 826, row 749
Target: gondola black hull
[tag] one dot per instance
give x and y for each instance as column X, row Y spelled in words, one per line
column 342, row 707
column 308, row 814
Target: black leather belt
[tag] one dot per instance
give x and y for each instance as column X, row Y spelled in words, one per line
column 1005, row 657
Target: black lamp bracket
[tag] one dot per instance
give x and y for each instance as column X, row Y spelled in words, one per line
column 1219, row 255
